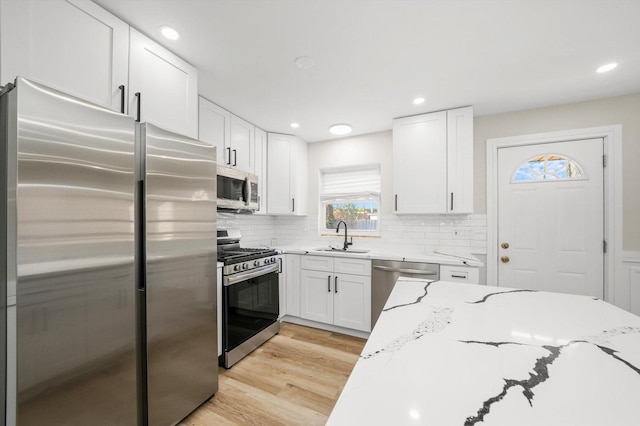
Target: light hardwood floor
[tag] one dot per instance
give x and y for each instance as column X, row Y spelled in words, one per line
column 293, row 379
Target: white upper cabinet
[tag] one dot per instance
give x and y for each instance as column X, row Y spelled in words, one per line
column 286, row 175
column 260, row 147
column 72, row 45
column 240, row 154
column 232, row 136
column 460, row 160
column 214, row 127
column 162, row 86
column 433, row 162
column 420, row 163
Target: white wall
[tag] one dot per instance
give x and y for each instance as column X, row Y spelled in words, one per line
column 623, row 110
column 418, row 234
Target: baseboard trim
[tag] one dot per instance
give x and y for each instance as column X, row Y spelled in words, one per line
column 322, row 326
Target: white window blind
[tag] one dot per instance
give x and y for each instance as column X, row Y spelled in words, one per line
column 350, row 184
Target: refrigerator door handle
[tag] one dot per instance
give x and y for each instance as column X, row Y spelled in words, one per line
column 139, row 96
column 122, row 91
column 141, row 233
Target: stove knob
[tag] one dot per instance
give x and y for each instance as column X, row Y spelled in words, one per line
column 268, row 261
column 245, row 266
column 236, row 267
column 256, row 263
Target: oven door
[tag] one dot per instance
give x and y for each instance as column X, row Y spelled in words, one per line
column 249, row 306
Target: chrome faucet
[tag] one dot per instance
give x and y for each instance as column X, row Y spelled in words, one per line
column 346, row 243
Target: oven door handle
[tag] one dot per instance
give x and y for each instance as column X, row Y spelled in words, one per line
column 253, row 273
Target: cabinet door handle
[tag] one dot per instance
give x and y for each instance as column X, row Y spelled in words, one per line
column 235, row 157
column 121, row 98
column 280, row 265
column 452, row 201
column 293, row 205
column 335, row 284
column 464, row 277
column 228, row 156
column 329, row 283
column 396, row 209
column 139, row 96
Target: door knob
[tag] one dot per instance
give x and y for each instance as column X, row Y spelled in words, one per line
column 504, row 245
column 505, row 259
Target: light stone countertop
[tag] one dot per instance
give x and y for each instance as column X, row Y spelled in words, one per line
column 446, row 353
column 442, row 259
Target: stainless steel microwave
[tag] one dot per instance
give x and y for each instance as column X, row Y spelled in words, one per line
column 237, row 190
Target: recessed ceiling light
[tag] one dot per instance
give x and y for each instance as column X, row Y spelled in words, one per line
column 304, row 62
column 295, row 125
column 340, row 129
column 170, row 33
column 607, row 67
column 418, row 101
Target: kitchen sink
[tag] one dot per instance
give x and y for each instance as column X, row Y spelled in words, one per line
column 341, row 250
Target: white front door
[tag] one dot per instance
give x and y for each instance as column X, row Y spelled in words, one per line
column 551, row 217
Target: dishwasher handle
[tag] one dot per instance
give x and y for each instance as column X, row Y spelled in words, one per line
column 406, row 271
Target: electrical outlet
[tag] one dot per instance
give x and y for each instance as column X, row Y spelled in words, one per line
column 462, row 233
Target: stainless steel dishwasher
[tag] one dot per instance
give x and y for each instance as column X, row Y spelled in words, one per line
column 385, row 273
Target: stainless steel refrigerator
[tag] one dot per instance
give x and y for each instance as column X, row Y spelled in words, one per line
column 95, row 287
column 178, row 293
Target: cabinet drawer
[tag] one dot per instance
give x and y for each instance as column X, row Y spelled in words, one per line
column 352, row 266
column 461, row 274
column 317, row 263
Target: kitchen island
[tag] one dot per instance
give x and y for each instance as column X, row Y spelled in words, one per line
column 446, row 353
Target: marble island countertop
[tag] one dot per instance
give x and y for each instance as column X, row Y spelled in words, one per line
column 445, row 353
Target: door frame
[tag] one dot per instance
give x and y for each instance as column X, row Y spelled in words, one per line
column 612, row 136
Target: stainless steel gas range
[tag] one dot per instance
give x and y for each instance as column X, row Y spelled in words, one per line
column 250, row 296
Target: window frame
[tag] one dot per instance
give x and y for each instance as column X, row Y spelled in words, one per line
column 365, row 196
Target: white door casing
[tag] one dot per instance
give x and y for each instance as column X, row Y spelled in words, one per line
column 612, row 136
column 551, row 231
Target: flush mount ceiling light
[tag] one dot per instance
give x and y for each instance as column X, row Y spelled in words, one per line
column 170, row 33
column 607, row 67
column 304, row 62
column 418, row 101
column 295, row 125
column 340, row 129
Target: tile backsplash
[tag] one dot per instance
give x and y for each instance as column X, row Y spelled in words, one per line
column 418, row 234
column 256, row 230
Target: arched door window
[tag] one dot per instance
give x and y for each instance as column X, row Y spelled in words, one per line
column 548, row 167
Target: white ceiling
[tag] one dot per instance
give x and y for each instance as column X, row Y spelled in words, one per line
column 372, row 57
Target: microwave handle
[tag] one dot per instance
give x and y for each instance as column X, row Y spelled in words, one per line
column 246, row 191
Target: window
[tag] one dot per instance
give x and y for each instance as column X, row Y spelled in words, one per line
column 547, row 167
column 351, row 194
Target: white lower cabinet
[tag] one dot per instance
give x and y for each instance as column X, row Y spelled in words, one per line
column 330, row 296
column 291, row 285
column 460, row 274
